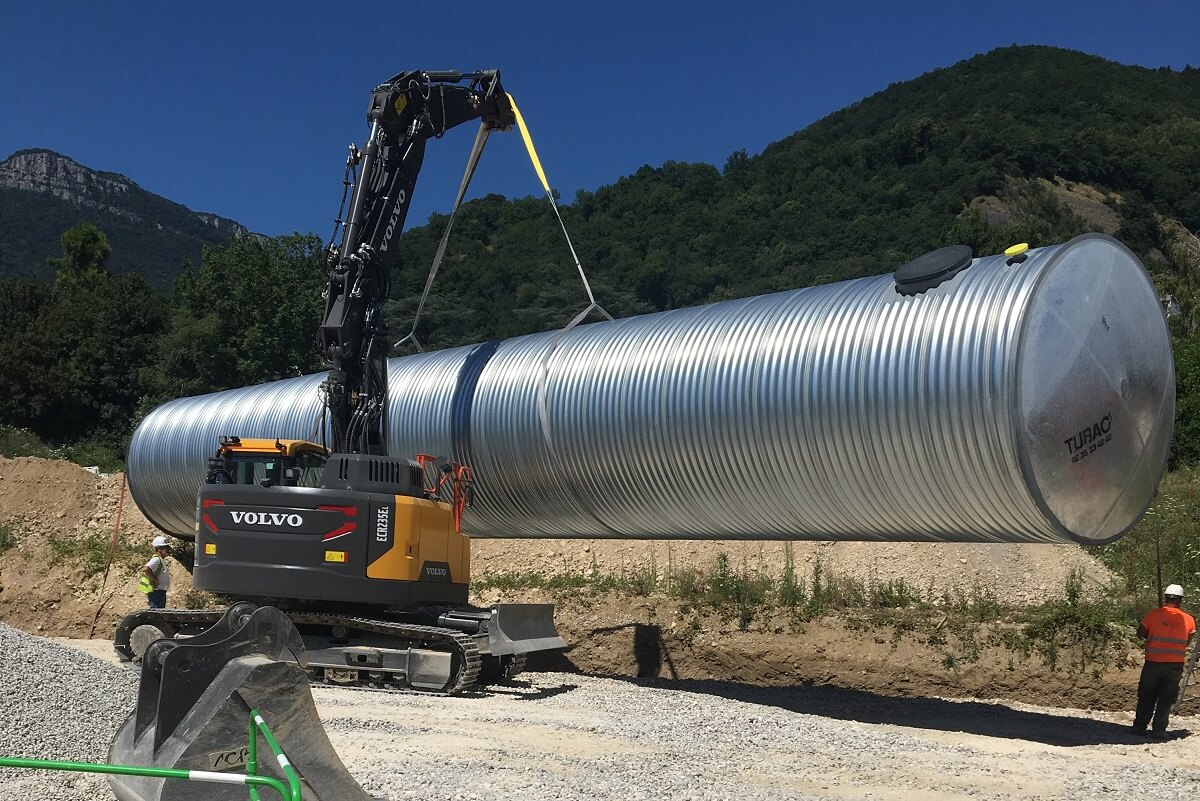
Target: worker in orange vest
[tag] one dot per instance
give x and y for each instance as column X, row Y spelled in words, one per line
column 1166, row 631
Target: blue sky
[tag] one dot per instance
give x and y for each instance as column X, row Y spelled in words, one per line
column 245, row 109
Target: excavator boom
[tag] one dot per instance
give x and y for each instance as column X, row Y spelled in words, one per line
column 405, row 112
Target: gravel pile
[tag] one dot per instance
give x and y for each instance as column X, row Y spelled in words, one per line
column 575, row 737
column 58, row 703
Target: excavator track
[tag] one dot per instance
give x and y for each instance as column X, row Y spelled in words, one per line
column 469, row 659
column 175, row 622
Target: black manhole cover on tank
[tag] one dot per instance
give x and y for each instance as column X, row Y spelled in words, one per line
column 932, row 268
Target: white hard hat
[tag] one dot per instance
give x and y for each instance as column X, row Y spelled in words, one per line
column 161, row 542
column 1173, row 591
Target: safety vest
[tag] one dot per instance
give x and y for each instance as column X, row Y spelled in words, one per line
column 1170, row 629
column 144, row 584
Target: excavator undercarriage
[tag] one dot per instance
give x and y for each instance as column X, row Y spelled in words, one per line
column 446, row 651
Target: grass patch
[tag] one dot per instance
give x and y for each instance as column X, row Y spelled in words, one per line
column 1083, row 631
column 10, row 535
column 90, row 552
column 1074, row 632
column 736, row 593
column 978, row 605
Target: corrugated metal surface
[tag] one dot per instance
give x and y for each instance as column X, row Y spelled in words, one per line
column 846, row 411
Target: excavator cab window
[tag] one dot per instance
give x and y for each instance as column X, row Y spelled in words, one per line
column 254, row 469
column 310, row 467
column 305, row 469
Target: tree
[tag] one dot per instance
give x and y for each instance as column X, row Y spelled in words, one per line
column 85, row 252
column 22, row 302
column 98, row 335
column 1185, row 442
column 1140, row 228
column 77, row 348
column 248, row 314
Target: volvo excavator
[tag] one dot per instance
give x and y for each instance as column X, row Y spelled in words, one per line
column 363, row 550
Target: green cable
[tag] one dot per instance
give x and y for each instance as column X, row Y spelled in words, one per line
column 291, row 792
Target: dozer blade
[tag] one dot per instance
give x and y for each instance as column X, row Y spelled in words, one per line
column 193, row 703
column 522, row 629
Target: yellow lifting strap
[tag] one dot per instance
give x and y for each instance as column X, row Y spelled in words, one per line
column 537, row 166
column 544, row 366
column 533, row 156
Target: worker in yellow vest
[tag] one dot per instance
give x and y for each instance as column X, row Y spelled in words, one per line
column 156, row 576
column 1167, row 631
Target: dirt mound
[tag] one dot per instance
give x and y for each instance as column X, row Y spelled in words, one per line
column 63, row 519
column 45, row 497
column 45, row 494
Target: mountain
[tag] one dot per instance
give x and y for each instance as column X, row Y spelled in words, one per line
column 43, row 193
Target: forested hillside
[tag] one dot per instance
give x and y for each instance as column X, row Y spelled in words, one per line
column 1021, row 144
column 856, row 193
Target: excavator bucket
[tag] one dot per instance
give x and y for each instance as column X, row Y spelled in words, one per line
column 193, row 702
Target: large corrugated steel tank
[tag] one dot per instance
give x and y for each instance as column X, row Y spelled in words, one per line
column 1016, row 402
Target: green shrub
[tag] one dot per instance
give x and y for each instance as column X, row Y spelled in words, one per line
column 791, row 590
column 16, row 442
column 688, row 585
column 979, row 605
column 1170, row 528
column 739, row 592
column 1092, row 629
column 90, row 552
column 93, row 451
column 98, row 451
column 10, row 535
column 894, row 594
column 644, row 580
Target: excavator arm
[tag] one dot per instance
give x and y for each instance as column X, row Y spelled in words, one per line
column 405, row 112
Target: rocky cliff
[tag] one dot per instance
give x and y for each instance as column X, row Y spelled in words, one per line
column 43, row 193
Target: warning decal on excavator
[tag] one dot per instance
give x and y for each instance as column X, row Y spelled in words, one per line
column 210, row 548
column 335, row 556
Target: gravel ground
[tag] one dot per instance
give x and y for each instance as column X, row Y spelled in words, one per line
column 574, row 737
column 57, row 702
column 565, row 736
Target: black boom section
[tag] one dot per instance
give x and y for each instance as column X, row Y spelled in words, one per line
column 405, row 112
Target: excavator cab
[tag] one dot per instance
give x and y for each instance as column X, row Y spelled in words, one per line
column 268, row 463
